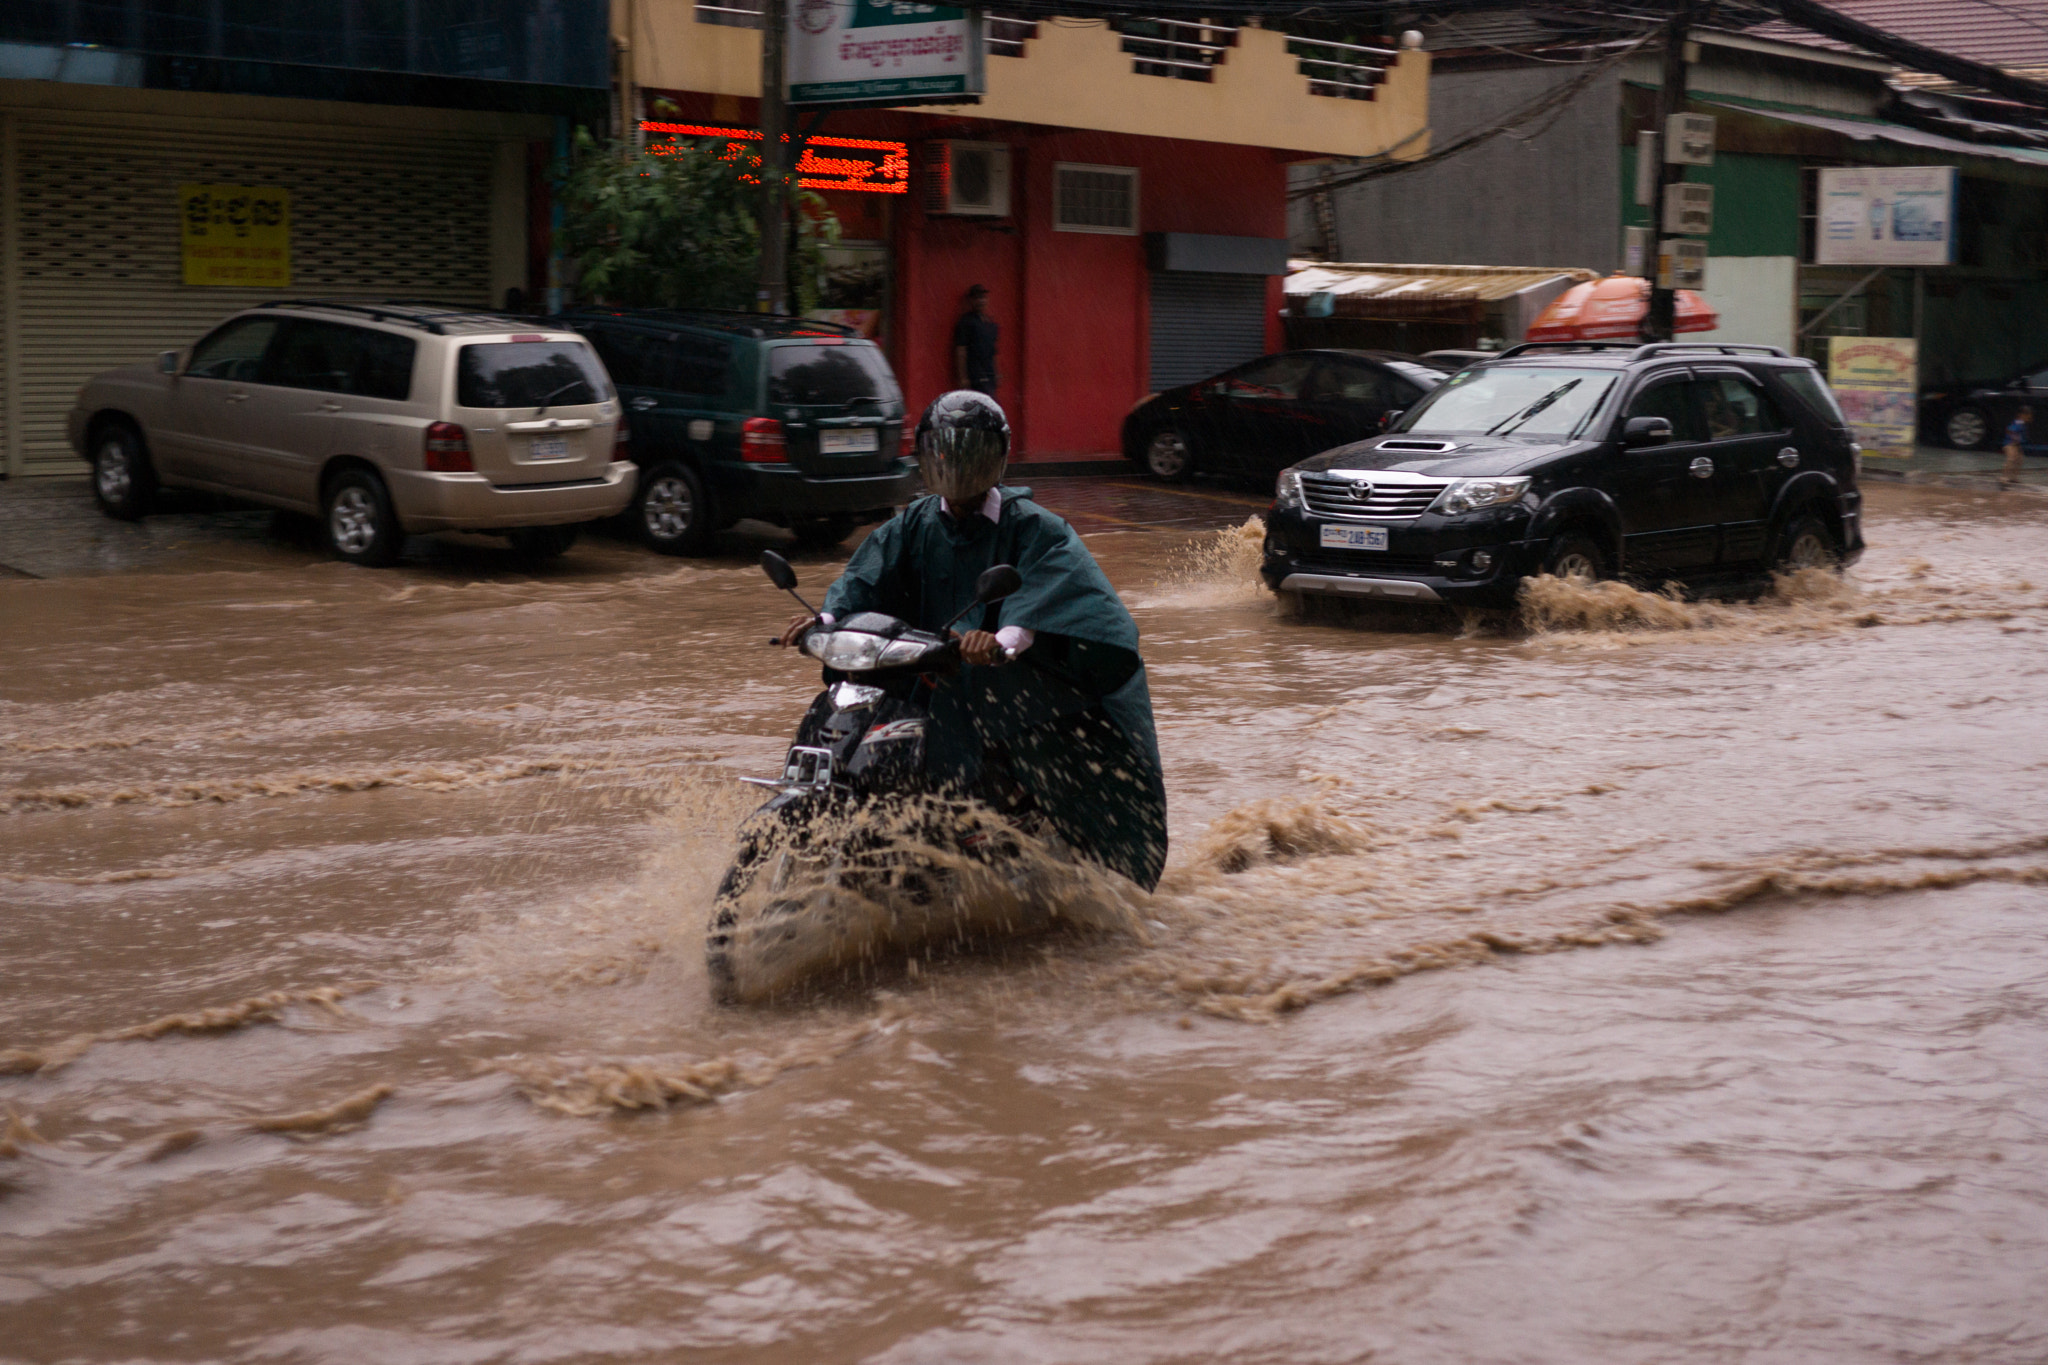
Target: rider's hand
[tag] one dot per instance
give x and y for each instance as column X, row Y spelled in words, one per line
column 982, row 647
column 798, row 625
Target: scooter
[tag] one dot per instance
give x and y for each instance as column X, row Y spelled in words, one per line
column 856, row 850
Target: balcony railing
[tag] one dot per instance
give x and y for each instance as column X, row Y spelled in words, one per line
column 1177, row 49
column 1006, row 35
column 730, row 13
column 1340, row 70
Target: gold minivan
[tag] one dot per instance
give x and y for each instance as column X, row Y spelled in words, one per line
column 383, row 420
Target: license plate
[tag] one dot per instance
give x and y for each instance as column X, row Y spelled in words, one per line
column 846, row 442
column 1354, row 537
column 549, row 448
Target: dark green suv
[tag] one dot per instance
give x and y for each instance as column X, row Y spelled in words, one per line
column 733, row 415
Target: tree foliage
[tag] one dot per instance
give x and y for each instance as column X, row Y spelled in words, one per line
column 676, row 228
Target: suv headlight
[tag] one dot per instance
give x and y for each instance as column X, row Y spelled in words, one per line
column 1287, row 492
column 1468, row 495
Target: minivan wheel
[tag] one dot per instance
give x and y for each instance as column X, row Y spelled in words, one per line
column 1808, row 544
column 1166, row 456
column 123, row 484
column 536, row 543
column 1574, row 555
column 670, row 512
column 361, row 527
column 1967, row 428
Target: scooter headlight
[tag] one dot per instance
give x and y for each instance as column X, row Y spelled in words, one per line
column 849, row 651
column 903, row 652
column 1469, row 495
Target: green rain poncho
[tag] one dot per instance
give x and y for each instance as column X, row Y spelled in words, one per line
column 1071, row 714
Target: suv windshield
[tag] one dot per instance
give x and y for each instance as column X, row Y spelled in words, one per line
column 1512, row 401
column 529, row 374
column 829, row 375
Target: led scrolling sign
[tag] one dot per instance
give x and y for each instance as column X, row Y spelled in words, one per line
column 827, row 163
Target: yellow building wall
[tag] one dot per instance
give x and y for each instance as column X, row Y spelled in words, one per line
column 1075, row 76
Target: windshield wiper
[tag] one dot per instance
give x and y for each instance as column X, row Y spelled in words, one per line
column 545, row 402
column 1513, row 420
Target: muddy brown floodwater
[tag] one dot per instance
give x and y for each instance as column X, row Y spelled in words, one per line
column 352, row 1005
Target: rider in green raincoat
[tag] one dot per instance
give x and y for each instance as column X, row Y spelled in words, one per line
column 1052, row 692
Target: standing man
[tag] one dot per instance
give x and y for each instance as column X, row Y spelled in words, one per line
column 2015, row 447
column 974, row 345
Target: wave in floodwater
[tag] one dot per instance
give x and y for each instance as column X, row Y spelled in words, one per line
column 1221, row 568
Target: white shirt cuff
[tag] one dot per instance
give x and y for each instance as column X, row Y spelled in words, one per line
column 1015, row 639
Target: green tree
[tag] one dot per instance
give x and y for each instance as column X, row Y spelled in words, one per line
column 675, row 226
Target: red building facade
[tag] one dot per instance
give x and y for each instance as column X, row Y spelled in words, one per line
column 1074, row 305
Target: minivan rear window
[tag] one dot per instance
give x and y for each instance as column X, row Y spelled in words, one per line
column 829, row 375
column 529, row 374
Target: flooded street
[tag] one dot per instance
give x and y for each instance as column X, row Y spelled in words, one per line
column 352, row 1003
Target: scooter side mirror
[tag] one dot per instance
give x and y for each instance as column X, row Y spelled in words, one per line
column 778, row 571
column 996, row 582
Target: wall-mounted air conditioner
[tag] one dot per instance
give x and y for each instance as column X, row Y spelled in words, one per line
column 967, row 179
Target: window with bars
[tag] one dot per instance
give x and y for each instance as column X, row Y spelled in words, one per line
column 731, row 13
column 1095, row 198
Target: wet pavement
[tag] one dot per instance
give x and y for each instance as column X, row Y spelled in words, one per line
column 1646, row 981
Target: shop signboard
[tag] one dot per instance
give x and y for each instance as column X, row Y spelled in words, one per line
column 1876, row 380
column 237, row 236
column 1886, row 215
column 883, row 52
column 857, row 164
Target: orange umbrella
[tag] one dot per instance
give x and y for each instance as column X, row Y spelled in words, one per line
column 1612, row 310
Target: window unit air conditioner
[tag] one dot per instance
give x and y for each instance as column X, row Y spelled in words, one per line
column 967, row 179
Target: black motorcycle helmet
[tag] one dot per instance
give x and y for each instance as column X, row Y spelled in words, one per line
column 963, row 445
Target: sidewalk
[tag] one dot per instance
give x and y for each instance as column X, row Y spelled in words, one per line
column 1957, row 468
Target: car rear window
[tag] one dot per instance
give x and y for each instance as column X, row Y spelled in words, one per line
column 1814, row 392
column 828, row 374
column 529, row 374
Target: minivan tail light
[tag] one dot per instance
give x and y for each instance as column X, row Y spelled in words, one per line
column 448, row 449
column 761, row 442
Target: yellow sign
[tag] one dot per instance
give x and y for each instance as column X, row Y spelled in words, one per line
column 1877, row 381
column 238, row 235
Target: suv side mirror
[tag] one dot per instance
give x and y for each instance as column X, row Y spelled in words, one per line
column 1646, row 431
column 1391, row 416
column 167, row 362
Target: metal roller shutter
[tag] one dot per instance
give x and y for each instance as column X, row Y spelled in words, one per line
column 100, row 279
column 1203, row 323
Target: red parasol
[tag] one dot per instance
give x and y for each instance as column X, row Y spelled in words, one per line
column 1612, row 310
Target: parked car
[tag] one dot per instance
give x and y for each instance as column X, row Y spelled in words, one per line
column 381, row 419
column 787, row 420
column 1684, row 460
column 1972, row 414
column 1263, row 416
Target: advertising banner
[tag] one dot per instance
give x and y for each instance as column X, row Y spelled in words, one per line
column 236, row 235
column 1892, row 215
column 883, row 52
column 1876, row 380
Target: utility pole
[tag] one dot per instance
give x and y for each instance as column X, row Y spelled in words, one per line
column 1660, row 323
column 774, row 287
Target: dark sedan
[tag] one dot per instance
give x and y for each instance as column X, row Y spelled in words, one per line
column 1972, row 414
column 1261, row 417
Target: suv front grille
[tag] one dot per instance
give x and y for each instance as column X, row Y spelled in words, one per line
column 1387, row 501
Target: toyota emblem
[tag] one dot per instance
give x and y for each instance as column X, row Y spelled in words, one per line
column 1361, row 491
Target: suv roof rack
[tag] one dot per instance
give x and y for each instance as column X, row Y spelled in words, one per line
column 726, row 319
column 428, row 317
column 1641, row 351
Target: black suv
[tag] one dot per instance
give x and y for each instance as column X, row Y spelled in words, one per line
column 1689, row 461
column 787, row 420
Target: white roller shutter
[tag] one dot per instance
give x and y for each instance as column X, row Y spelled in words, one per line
column 375, row 214
column 1203, row 323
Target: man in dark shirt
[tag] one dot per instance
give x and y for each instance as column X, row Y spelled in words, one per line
column 974, row 345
